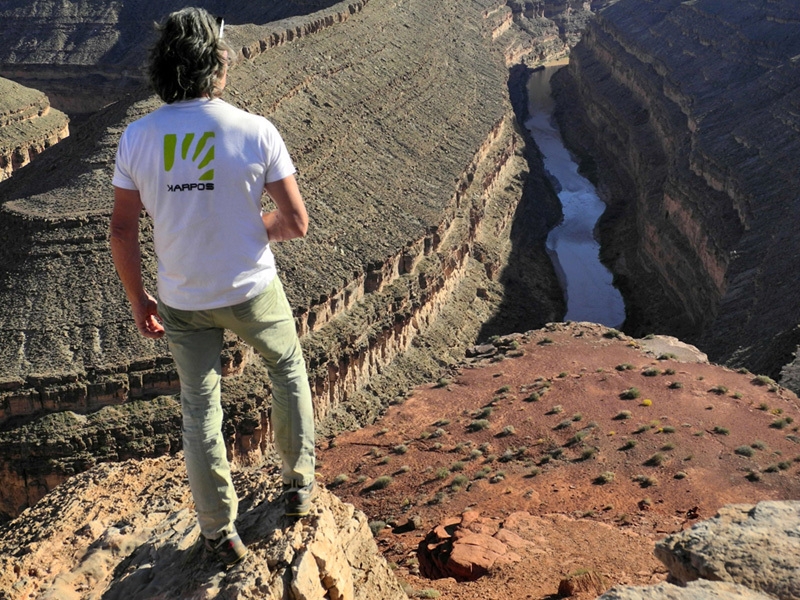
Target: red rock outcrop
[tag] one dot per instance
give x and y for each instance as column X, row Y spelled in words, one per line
column 467, row 547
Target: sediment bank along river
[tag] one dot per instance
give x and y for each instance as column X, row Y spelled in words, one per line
column 588, row 285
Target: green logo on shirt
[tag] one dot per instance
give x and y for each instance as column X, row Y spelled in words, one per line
column 201, row 153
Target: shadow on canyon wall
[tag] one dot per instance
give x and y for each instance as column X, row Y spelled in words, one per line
column 530, row 285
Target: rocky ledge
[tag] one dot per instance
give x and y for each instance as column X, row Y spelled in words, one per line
column 129, row 531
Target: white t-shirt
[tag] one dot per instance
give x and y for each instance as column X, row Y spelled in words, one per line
column 200, row 167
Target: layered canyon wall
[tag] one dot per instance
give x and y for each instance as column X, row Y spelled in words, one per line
column 416, row 176
column 687, row 114
column 28, row 126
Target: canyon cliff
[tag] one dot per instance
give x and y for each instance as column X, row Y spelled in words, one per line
column 686, row 114
column 428, row 207
column 28, row 126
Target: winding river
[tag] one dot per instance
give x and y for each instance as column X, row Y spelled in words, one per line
column 587, row 283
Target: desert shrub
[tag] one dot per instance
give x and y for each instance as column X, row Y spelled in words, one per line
column 623, row 415
column 651, row 372
column 588, row 453
column 565, row 424
column 680, row 475
column 475, row 453
column 482, row 473
column 646, row 481
column 745, row 451
column 380, row 483
column 720, row 390
column 656, row 460
column 427, row 593
column 669, row 371
column 612, row 334
column 630, row 394
column 457, row 466
column 675, row 385
column 557, row 409
column 478, row 425
column 403, row 469
column 400, row 449
column 646, row 402
column 532, row 397
column 385, row 460
column 781, row 423
column 562, row 374
column 604, row 477
column 577, row 438
column 376, row 527
column 498, row 477
column 642, row 428
column 667, row 447
column 721, row 430
column 459, row 481
column 438, row 433
column 545, row 341
column 773, row 468
column 503, row 389
column 443, row 382
column 759, row 445
column 628, row 445
column 667, row 356
column 762, row 380
column 534, row 472
column 625, row 367
column 442, row 473
column 442, row 423
column 340, row 479
column 577, row 417
column 507, row 431
column 668, row 429
column 484, row 413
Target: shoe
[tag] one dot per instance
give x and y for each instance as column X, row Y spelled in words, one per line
column 298, row 499
column 229, row 548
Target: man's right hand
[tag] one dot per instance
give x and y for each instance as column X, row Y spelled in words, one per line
column 145, row 313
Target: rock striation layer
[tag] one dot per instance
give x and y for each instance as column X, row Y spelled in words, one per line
column 689, row 112
column 28, row 126
column 420, row 189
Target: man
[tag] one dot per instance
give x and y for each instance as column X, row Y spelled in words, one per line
column 199, row 166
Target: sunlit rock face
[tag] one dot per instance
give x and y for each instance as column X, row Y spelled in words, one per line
column 689, row 111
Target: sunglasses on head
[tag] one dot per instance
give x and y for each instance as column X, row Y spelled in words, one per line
column 220, row 24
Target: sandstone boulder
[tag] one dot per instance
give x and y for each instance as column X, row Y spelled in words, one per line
column 467, row 547
column 756, row 546
column 696, row 590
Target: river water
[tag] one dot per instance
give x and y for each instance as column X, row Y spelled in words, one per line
column 587, row 283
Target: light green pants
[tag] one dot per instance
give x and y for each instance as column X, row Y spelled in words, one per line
column 195, row 340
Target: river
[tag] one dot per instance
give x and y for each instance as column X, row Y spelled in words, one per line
column 588, row 285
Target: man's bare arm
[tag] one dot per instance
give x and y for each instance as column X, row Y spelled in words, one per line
column 290, row 219
column 126, row 253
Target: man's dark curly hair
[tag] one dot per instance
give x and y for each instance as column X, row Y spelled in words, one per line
column 188, row 59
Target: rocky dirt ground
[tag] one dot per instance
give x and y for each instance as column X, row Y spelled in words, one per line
column 557, row 475
column 539, row 441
